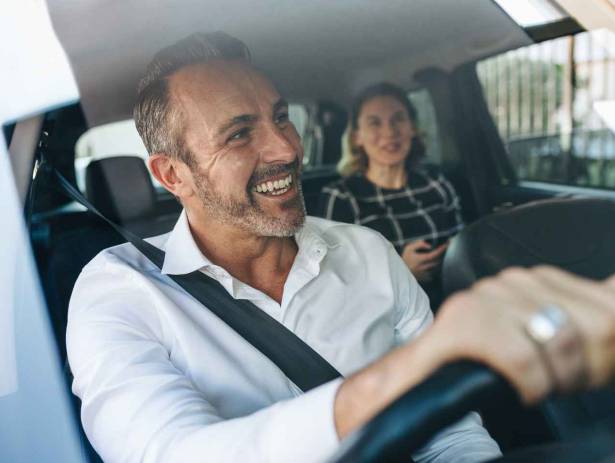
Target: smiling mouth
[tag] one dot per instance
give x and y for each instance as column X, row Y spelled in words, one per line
column 275, row 187
column 392, row 147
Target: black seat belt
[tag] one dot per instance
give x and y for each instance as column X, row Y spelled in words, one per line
column 297, row 360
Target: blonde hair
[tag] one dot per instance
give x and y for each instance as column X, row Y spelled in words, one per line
column 354, row 158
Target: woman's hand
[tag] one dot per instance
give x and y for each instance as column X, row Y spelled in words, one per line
column 421, row 260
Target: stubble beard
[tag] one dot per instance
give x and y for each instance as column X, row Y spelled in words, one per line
column 248, row 215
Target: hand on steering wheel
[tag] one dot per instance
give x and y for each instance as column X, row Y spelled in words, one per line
column 490, row 322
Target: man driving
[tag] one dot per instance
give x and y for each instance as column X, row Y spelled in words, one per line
column 162, row 379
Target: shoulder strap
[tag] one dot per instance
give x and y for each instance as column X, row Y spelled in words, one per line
column 299, row 362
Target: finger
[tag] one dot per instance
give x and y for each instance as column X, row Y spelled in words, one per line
column 426, row 266
column 422, row 244
column 565, row 357
column 444, row 245
column 467, row 313
column 506, row 295
column 415, row 245
column 427, row 257
column 435, row 254
column 530, row 285
column 589, row 305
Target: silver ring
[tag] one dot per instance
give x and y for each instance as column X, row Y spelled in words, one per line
column 560, row 346
column 546, row 323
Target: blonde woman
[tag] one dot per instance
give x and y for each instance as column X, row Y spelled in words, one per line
column 383, row 186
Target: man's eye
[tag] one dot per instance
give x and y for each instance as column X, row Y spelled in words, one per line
column 281, row 118
column 240, row 134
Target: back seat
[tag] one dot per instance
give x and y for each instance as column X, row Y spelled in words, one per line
column 121, row 188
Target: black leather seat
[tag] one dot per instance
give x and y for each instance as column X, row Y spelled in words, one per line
column 575, row 234
column 121, row 188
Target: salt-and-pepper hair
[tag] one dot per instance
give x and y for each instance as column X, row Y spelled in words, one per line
column 158, row 122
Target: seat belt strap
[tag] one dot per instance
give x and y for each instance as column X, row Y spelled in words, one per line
column 297, row 360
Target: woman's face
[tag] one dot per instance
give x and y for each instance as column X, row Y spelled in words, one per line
column 384, row 131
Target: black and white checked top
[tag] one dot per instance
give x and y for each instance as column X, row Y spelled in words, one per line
column 426, row 208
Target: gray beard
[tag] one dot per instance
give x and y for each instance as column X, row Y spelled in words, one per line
column 248, row 215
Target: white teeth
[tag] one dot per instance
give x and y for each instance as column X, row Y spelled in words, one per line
column 275, row 187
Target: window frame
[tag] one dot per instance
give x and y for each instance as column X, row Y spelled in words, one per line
column 503, row 158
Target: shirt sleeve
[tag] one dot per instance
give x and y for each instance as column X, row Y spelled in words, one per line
column 413, row 313
column 337, row 205
column 137, row 406
column 466, row 441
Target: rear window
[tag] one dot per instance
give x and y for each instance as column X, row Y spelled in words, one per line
column 554, row 106
column 428, row 124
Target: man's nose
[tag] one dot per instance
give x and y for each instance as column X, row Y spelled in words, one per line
column 278, row 144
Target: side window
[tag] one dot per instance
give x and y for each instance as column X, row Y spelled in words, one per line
column 427, row 124
column 554, row 106
column 122, row 138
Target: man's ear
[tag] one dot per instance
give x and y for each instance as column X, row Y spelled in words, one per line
column 172, row 174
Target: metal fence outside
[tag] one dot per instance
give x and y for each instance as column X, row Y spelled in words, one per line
column 551, row 103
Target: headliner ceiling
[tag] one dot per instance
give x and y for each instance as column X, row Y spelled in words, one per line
column 315, row 48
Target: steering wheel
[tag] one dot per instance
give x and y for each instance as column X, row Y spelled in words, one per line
column 443, row 398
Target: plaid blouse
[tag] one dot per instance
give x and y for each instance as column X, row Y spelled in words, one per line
column 427, row 208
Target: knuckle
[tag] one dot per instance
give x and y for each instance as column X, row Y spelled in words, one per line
column 546, row 270
column 484, row 283
column 514, row 273
column 491, row 285
column 605, row 330
column 523, row 359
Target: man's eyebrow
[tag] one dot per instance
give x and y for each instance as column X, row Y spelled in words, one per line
column 244, row 118
column 280, row 104
column 236, row 121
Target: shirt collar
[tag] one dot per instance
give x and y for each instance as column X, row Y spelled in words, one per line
column 311, row 243
column 182, row 255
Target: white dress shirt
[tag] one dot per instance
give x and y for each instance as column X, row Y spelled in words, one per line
column 162, row 379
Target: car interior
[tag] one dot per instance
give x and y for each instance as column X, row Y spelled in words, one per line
column 532, row 191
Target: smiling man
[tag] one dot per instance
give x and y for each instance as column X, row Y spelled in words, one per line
column 237, row 177
column 162, row 379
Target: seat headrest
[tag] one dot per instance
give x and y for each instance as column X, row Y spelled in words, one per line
column 575, row 234
column 120, row 187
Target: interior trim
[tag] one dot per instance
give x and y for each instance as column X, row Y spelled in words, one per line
column 21, row 152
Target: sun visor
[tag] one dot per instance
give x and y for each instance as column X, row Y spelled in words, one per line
column 35, row 74
column 317, row 49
